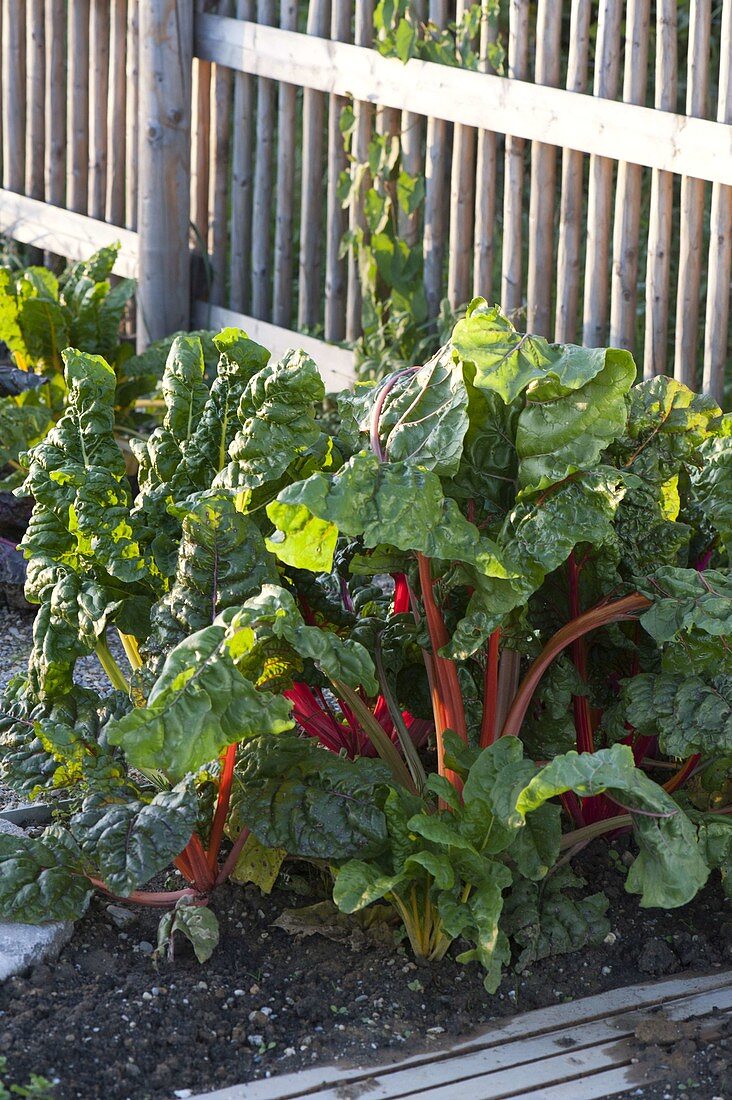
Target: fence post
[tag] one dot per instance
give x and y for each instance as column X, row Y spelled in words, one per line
column 165, row 77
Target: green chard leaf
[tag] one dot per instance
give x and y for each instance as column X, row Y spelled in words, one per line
column 197, row 923
column 42, row 879
column 685, row 713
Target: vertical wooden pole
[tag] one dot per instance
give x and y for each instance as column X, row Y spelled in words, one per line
column 201, row 144
column 435, row 172
column 56, row 97
column 412, row 141
column 242, row 174
column 36, row 130
column 600, row 192
column 132, row 118
column 285, row 197
column 462, row 207
column 626, row 227
column 263, row 174
column 542, row 191
column 219, row 176
column 117, row 109
column 336, row 217
column 716, row 334
column 166, row 60
column 571, row 232
column 77, row 190
column 311, row 220
column 691, row 213
column 485, row 182
column 98, row 106
column 513, row 183
column 14, row 98
column 363, row 113
column 658, row 265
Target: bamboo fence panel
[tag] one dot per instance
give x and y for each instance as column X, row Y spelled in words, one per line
column 462, row 206
column 691, row 219
column 55, row 127
column 77, row 187
column 36, row 99
column 336, row 271
column 626, row 227
column 131, row 116
column 658, row 263
column 363, row 120
column 218, row 201
column 313, row 116
column 263, row 176
column 98, row 97
column 240, row 238
column 513, row 184
column 285, row 193
column 716, row 331
column 543, row 176
column 571, row 232
column 14, row 94
column 599, row 194
column 485, row 182
column 433, row 240
column 117, row 113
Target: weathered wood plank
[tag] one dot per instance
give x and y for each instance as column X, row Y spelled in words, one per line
column 64, row 232
column 486, row 170
column 218, row 199
column 77, row 190
column 363, row 120
column 462, row 206
column 335, row 364
column 674, row 995
column 163, row 288
column 616, row 130
column 36, row 97
column 99, row 23
column 132, row 114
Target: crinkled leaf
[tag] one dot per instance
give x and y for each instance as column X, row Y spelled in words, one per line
column 685, row 713
column 42, row 879
column 296, row 795
column 128, row 842
column 545, row 920
column 258, row 864
column 199, row 704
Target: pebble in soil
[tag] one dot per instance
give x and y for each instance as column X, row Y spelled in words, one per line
column 110, row 1020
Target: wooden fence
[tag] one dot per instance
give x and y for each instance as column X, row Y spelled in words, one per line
column 588, row 185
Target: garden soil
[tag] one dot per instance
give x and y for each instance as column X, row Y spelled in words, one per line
column 110, row 1019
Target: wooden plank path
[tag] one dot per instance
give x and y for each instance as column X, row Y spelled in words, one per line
column 582, row 1050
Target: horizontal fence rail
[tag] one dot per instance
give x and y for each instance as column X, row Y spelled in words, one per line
column 617, row 131
column 584, row 182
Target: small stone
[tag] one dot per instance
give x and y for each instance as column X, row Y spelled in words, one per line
column 610, row 939
column 607, row 970
column 258, row 1018
column 183, row 1094
column 237, row 992
column 266, row 1010
column 255, row 1040
column 145, row 948
column 435, row 1030
column 147, row 996
column 121, row 917
column 288, row 1052
column 254, row 989
column 657, row 958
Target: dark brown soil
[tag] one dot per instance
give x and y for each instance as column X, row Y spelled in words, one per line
column 692, row 1059
column 109, row 1021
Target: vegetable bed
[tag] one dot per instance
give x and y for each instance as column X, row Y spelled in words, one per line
column 419, row 650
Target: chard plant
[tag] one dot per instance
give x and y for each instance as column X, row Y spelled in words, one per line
column 437, row 647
